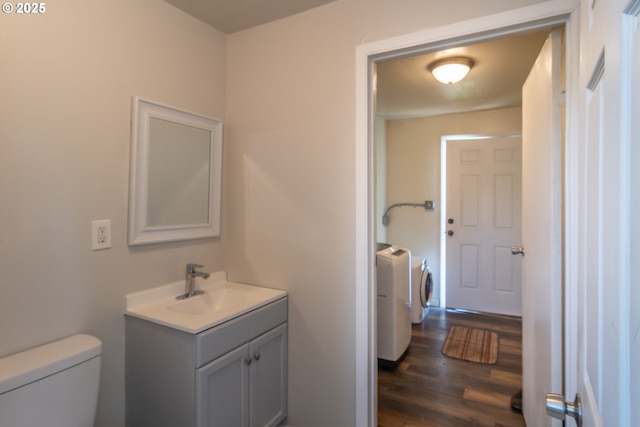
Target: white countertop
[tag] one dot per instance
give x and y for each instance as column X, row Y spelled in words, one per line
column 222, row 301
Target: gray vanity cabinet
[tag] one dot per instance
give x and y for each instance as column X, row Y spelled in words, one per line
column 232, row 375
column 247, row 386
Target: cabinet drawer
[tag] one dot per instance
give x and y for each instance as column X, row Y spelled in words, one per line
column 223, row 338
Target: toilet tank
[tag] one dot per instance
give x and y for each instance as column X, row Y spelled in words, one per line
column 54, row 385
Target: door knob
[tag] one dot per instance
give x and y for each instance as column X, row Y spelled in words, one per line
column 516, row 250
column 558, row 408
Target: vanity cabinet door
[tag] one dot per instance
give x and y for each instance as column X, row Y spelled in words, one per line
column 222, row 390
column 268, row 402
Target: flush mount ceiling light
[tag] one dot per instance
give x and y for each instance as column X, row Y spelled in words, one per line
column 451, row 70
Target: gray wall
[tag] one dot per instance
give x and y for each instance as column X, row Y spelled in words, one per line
column 66, row 85
column 291, row 173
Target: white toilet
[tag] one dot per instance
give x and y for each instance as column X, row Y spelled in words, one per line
column 54, row 385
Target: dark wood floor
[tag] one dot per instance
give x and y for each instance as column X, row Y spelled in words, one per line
column 430, row 389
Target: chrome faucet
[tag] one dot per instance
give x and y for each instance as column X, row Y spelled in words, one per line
column 190, row 281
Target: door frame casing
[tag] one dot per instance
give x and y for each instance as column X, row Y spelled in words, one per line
column 555, row 12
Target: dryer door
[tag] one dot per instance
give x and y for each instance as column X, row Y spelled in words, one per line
column 426, row 287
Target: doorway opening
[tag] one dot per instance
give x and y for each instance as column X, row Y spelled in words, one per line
column 474, row 31
column 413, row 112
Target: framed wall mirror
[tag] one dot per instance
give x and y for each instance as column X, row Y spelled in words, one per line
column 176, row 174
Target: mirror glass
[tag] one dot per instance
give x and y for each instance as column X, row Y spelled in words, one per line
column 178, row 174
column 175, row 175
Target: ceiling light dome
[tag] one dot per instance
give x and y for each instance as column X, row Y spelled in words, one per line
column 451, row 70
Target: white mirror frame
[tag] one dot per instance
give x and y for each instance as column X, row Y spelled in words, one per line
column 140, row 233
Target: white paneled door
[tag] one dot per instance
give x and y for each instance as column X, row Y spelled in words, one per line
column 603, row 369
column 542, row 232
column 483, row 222
column 591, row 276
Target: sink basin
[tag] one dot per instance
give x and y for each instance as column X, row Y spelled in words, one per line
column 220, row 302
column 215, row 300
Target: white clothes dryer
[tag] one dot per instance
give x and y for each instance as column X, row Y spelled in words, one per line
column 393, row 280
column 421, row 288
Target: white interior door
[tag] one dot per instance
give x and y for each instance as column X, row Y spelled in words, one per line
column 542, row 232
column 604, row 371
column 483, row 223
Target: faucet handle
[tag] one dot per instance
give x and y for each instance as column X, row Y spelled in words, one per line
column 191, row 268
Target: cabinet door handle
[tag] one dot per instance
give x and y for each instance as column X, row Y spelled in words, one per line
column 248, row 360
column 256, row 356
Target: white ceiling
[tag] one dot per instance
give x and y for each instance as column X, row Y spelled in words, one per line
column 405, row 87
column 230, row 16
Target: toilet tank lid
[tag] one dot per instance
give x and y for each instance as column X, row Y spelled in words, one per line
column 22, row 368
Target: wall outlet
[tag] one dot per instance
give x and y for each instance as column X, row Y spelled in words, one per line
column 101, row 234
